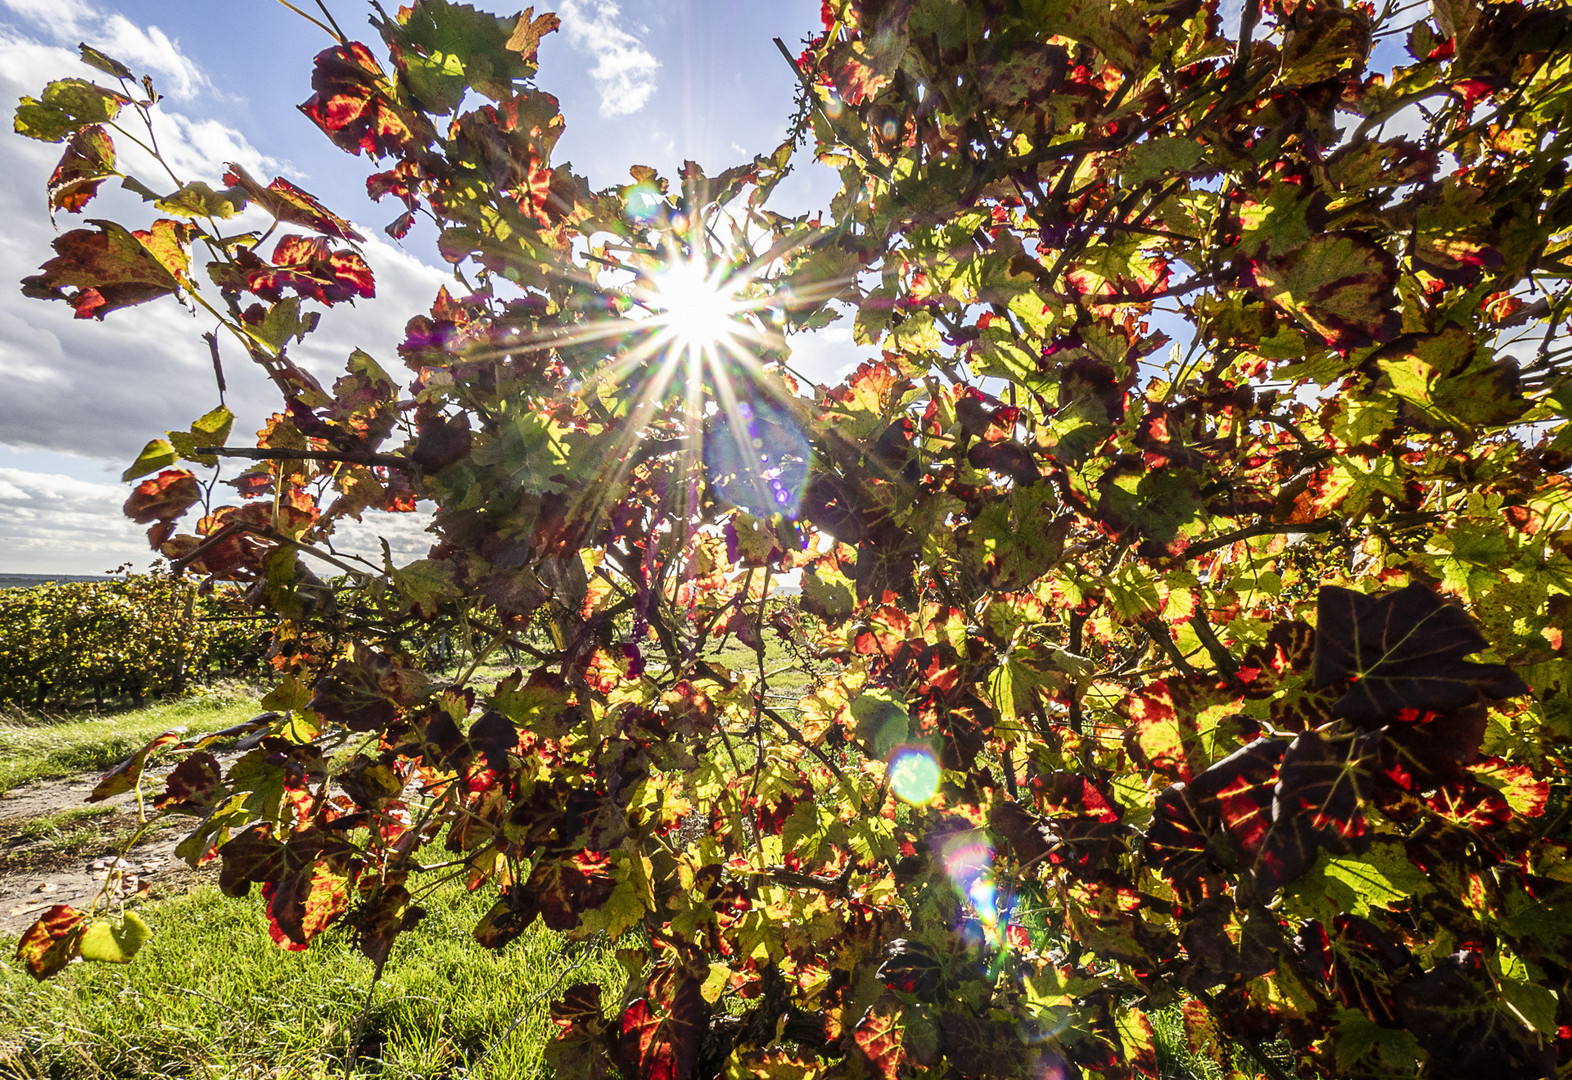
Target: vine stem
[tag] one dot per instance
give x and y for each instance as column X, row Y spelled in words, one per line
column 345, row 457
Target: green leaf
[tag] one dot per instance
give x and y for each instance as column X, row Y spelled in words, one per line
column 1338, row 284
column 1377, row 880
column 211, row 430
column 67, row 106
column 427, row 585
column 157, row 454
column 1160, row 156
column 882, row 721
column 107, row 64
column 284, row 322
column 197, row 199
column 109, row 942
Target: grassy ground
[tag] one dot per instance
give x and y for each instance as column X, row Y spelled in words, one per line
column 211, row 996
column 40, row 748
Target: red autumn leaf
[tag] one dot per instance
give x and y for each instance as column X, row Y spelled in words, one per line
column 163, row 497
column 879, row 1036
column 113, row 267
column 195, row 783
column 660, row 1031
column 123, row 777
column 565, row 888
column 1318, row 805
column 310, row 894
column 1156, row 733
column 288, row 203
column 306, row 265
column 586, row 1043
column 52, row 942
column 1243, row 785
column 1469, row 803
column 352, row 104
column 89, row 159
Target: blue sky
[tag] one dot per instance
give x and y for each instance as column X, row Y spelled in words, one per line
column 649, row 82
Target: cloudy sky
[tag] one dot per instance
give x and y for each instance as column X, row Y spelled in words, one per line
column 649, row 82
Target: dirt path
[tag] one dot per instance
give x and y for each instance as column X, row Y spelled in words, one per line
column 69, row 863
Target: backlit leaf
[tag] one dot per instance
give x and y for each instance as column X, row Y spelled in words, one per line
column 1338, row 284
column 154, row 456
column 88, row 160
column 52, row 941
column 113, row 267
column 108, row 941
column 67, row 106
column 1401, row 652
column 163, row 498
column 660, row 1030
column 124, row 777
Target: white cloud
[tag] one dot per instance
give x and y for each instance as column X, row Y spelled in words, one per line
column 51, row 523
column 100, row 390
column 150, row 49
column 624, row 70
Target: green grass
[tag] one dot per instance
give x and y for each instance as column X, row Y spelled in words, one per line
column 41, row 748
column 211, row 996
column 60, row 829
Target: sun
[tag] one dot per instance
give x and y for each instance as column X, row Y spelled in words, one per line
column 695, row 306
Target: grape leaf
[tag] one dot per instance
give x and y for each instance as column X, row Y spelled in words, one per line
column 52, row 941
column 155, row 455
column 67, row 106
column 352, row 104
column 1402, row 652
column 195, row 783
column 108, row 942
column 107, row 64
column 290, row 204
column 311, row 893
column 1339, row 284
column 163, row 498
column 660, row 1031
column 880, row 1036
column 124, row 777
column 1318, row 805
column 113, row 267
column 308, row 266
column 88, row 160
column 386, row 914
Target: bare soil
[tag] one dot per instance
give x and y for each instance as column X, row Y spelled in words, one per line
column 72, row 863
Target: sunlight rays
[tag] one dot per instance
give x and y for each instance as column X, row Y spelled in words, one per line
column 679, row 353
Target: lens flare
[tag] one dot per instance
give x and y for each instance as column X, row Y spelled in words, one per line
column 681, row 342
column 914, row 774
column 968, row 859
column 644, row 202
column 697, row 307
column 757, row 455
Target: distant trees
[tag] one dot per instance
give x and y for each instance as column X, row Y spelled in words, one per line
column 65, row 644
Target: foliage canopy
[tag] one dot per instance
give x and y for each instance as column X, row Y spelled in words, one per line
column 1191, row 569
